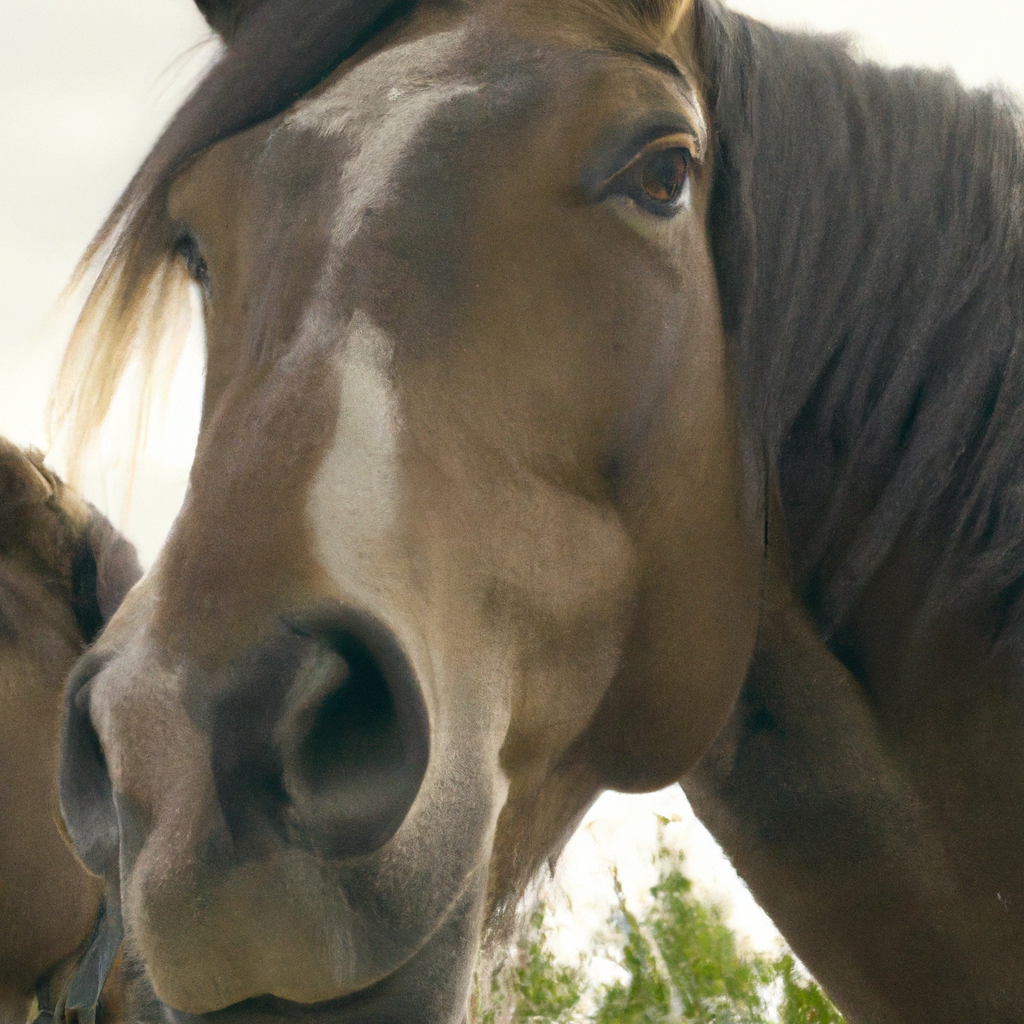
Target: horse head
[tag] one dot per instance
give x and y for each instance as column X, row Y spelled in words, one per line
column 468, row 536
column 63, row 571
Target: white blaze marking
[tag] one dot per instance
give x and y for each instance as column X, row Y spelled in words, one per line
column 379, row 121
column 354, row 499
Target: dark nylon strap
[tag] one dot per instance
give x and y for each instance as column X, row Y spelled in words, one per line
column 79, row 1002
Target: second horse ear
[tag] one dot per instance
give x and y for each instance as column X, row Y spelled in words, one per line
column 224, row 16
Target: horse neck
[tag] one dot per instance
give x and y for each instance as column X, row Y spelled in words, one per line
column 879, row 346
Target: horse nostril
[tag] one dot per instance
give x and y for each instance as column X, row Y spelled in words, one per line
column 341, row 728
column 86, row 796
column 353, row 735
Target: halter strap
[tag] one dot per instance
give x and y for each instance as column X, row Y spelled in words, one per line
column 79, row 1001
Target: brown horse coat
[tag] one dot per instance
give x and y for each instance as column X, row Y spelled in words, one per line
column 63, row 572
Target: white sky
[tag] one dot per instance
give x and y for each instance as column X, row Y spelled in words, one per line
column 85, row 85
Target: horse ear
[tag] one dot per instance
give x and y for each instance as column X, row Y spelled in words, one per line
column 224, row 16
column 25, row 483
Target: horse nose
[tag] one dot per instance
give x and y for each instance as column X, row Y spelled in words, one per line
column 324, row 739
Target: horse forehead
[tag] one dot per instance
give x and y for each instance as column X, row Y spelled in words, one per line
column 386, row 131
column 385, row 100
column 387, row 108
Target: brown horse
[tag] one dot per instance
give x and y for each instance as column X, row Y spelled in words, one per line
column 63, row 572
column 599, row 393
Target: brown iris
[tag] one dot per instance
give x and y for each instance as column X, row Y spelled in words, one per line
column 656, row 179
column 663, row 174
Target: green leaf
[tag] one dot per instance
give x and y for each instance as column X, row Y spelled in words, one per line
column 682, row 962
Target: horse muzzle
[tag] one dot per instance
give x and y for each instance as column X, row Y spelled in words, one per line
column 265, row 819
column 320, row 736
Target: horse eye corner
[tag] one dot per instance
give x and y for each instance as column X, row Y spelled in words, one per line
column 186, row 248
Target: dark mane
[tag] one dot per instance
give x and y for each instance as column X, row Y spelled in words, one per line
column 869, row 238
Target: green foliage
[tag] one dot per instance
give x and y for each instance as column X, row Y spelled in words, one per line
column 683, row 967
column 534, row 988
column 545, row 991
column 802, row 1001
column 683, row 962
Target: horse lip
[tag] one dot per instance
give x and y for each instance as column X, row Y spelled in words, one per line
column 394, row 999
column 272, row 1010
column 383, row 1001
column 376, row 1004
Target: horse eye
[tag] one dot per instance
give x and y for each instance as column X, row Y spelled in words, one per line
column 657, row 179
column 663, row 175
column 187, row 249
